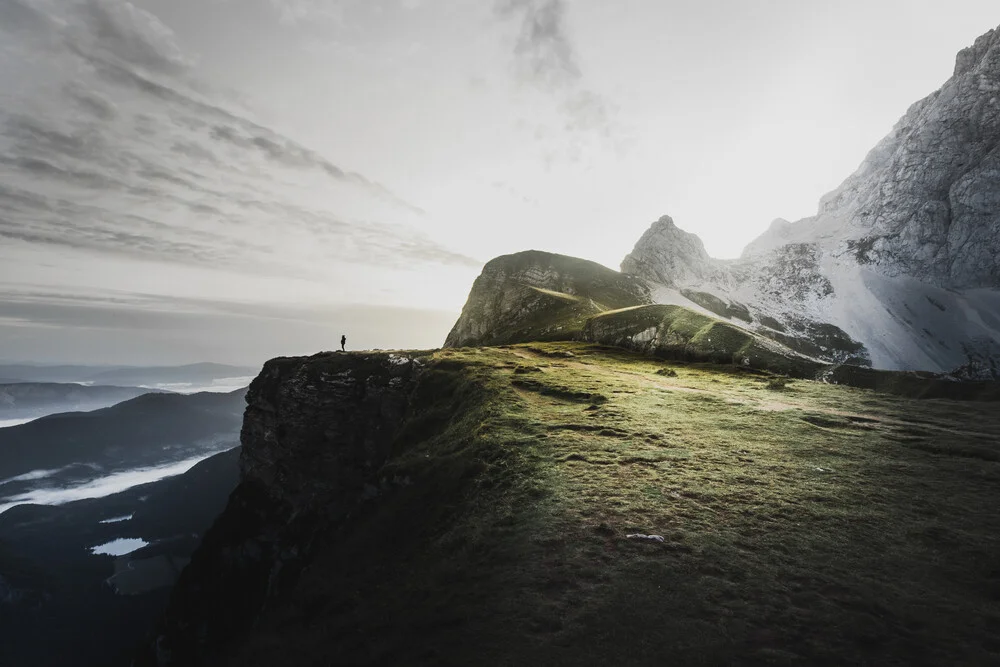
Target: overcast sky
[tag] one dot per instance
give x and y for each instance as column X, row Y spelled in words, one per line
column 231, row 180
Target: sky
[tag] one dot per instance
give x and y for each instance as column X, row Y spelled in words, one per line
column 232, row 180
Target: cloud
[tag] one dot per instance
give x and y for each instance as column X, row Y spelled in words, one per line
column 132, row 35
column 19, row 15
column 293, row 12
column 545, row 59
column 544, row 53
column 92, row 102
column 132, row 327
column 106, row 146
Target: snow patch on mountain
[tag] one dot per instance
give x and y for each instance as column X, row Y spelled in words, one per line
column 899, row 269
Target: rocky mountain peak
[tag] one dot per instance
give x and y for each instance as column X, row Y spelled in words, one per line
column 983, row 52
column 901, row 262
column 668, row 255
column 925, row 202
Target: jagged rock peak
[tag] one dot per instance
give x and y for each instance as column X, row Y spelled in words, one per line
column 925, row 203
column 903, row 258
column 970, row 58
column 668, row 255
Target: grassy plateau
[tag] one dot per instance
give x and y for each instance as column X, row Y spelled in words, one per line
column 802, row 523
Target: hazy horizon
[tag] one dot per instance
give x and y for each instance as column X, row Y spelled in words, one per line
column 186, row 181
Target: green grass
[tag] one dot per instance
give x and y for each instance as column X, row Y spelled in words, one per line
column 810, row 524
column 675, row 332
column 508, row 303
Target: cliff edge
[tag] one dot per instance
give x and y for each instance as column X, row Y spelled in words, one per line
column 572, row 504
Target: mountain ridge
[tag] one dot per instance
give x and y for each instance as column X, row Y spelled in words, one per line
column 36, row 399
column 145, row 430
column 903, row 257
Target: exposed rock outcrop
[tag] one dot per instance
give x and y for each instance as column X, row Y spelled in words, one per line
column 670, row 256
column 925, row 203
column 533, row 295
column 508, row 305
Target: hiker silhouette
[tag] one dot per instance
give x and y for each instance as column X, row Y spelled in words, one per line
column 343, row 342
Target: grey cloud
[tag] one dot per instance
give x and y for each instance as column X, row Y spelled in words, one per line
column 40, row 167
column 145, row 329
column 22, row 16
column 193, row 150
column 133, row 35
column 17, row 199
column 292, row 12
column 545, row 59
column 588, row 112
column 543, row 51
column 69, row 233
column 383, row 193
column 33, row 135
column 176, row 178
column 89, row 315
column 285, row 152
column 205, row 209
column 92, row 102
column 292, row 154
column 123, row 309
column 237, row 130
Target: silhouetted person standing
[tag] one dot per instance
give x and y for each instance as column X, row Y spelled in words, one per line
column 343, row 342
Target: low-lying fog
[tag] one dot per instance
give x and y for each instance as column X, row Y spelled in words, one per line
column 219, row 385
column 4, row 423
column 98, row 487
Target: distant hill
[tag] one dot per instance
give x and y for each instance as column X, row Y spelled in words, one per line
column 192, row 373
column 43, row 373
column 146, row 430
column 29, row 400
column 58, row 601
column 199, row 373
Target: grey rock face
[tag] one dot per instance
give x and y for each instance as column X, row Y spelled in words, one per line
column 790, row 272
column 926, row 201
column 917, row 223
column 669, row 256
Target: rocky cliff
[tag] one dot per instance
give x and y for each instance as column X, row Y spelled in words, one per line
column 925, row 203
column 900, row 268
column 316, row 434
column 670, row 256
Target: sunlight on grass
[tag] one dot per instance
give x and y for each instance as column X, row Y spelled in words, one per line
column 802, row 523
column 785, row 507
